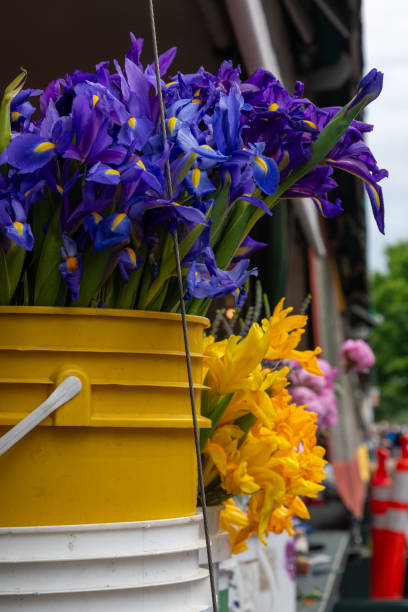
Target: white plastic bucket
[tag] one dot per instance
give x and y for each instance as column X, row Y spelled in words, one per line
column 149, row 566
column 220, row 543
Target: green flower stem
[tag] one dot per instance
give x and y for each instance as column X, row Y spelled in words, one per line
column 94, row 267
column 15, row 263
column 245, row 423
column 48, row 277
column 5, row 283
column 142, row 302
column 10, row 92
column 220, row 212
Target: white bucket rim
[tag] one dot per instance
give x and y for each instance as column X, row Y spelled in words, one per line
column 180, row 520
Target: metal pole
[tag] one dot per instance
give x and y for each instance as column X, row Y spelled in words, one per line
column 184, row 323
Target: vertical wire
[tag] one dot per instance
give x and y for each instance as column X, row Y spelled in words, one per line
column 184, row 324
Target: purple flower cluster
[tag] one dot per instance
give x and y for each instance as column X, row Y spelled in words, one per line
column 317, row 392
column 92, row 169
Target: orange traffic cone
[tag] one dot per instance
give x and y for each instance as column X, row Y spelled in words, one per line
column 380, row 495
column 388, row 570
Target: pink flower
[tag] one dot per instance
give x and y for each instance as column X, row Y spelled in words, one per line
column 358, row 355
column 316, row 392
column 303, row 395
column 329, row 372
column 299, row 376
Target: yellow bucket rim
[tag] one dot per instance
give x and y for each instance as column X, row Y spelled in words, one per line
column 101, row 312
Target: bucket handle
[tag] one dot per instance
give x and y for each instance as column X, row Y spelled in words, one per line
column 69, row 388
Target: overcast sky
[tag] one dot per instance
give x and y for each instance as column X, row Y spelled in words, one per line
column 385, row 36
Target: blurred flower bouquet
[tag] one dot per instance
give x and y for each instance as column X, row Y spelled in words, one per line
column 86, row 217
column 319, row 393
column 261, row 444
column 316, row 392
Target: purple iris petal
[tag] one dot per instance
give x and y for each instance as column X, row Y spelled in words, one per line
column 226, row 121
column 176, row 213
column 21, row 234
column 198, row 183
column 136, row 46
column 326, row 208
column 136, row 131
column 101, row 173
column 369, row 88
column 29, row 152
column 128, row 261
column 113, row 229
column 91, row 223
column 359, row 169
column 247, row 248
column 71, row 268
column 206, row 280
column 256, row 202
column 266, row 174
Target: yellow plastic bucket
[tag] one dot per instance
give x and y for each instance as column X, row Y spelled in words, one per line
column 121, row 450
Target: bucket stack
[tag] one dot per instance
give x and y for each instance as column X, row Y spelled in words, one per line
column 151, row 566
column 389, row 507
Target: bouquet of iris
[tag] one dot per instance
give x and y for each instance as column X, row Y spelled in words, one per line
column 86, row 215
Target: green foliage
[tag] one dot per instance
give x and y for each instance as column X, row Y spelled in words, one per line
column 389, row 295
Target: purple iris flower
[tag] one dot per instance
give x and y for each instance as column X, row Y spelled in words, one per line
column 163, row 211
column 368, row 89
column 247, row 248
column 136, row 46
column 136, row 168
column 92, row 140
column 95, row 199
column 135, row 132
column 265, row 170
column 113, row 229
column 128, row 261
column 14, row 221
column 198, row 184
column 27, row 188
column 206, row 280
column 101, row 173
column 315, row 185
column 71, row 268
column 21, row 109
column 29, row 152
column 226, row 122
column 189, row 144
column 91, row 222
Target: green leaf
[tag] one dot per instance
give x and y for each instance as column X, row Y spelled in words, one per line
column 15, row 262
column 10, row 92
column 220, row 211
column 48, row 277
column 41, row 214
column 215, row 413
column 26, row 292
column 234, row 233
column 95, row 264
column 4, row 279
column 245, row 423
column 128, row 291
column 198, row 306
